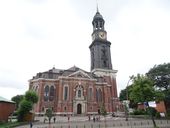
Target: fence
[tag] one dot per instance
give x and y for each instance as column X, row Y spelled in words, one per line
column 111, row 124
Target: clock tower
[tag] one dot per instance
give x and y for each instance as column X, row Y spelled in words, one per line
column 100, row 46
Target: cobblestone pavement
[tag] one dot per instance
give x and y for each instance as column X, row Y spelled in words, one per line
column 110, row 122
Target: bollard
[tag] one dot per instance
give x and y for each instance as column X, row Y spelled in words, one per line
column 113, row 125
column 84, row 126
column 91, row 125
column 99, row 125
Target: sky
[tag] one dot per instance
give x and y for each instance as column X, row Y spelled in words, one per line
column 36, row 35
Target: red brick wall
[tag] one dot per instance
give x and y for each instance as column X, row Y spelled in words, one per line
column 160, row 107
column 108, row 88
column 6, row 109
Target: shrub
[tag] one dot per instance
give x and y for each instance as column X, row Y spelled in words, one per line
column 139, row 112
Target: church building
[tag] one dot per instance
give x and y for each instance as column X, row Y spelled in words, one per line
column 75, row 91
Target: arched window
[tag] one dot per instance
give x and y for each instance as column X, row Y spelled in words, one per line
column 90, row 94
column 46, row 93
column 98, row 95
column 51, row 93
column 36, row 89
column 65, row 92
column 79, row 93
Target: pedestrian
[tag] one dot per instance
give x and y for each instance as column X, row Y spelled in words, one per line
column 45, row 120
column 94, row 119
column 31, row 124
column 89, row 117
column 54, row 119
column 68, row 118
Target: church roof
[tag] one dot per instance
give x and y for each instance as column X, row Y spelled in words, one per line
column 55, row 73
column 97, row 16
column 74, row 68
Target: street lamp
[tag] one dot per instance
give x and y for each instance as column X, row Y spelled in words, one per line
column 127, row 101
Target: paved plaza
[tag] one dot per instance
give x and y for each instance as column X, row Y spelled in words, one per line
column 110, row 122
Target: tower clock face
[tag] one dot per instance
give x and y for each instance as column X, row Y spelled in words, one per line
column 102, row 35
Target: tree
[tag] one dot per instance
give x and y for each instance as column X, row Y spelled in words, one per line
column 31, row 96
column 123, row 94
column 142, row 89
column 17, row 99
column 24, row 108
column 160, row 74
column 26, row 104
column 103, row 112
column 49, row 114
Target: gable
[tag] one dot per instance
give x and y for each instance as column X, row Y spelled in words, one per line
column 80, row 74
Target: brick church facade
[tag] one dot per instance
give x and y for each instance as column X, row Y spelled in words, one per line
column 75, row 91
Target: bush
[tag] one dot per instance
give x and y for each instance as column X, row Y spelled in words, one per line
column 157, row 115
column 152, row 111
column 139, row 112
column 168, row 113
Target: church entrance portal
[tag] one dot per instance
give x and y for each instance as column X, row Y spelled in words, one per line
column 79, row 107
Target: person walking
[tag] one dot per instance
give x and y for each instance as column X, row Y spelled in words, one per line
column 54, row 119
column 31, row 124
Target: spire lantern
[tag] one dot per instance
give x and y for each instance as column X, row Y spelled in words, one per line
column 98, row 21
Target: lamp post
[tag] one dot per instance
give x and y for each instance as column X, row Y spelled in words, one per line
column 127, row 101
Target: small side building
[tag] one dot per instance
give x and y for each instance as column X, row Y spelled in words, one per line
column 6, row 108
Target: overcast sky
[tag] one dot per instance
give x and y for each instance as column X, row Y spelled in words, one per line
column 36, row 35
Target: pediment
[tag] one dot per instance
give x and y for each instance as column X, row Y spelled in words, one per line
column 80, row 74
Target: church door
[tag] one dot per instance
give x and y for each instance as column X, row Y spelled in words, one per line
column 79, row 107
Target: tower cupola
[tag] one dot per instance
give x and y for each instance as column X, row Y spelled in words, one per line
column 98, row 22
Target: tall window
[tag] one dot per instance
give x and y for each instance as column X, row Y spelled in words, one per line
column 98, row 95
column 46, row 93
column 79, row 93
column 90, row 94
column 51, row 93
column 65, row 92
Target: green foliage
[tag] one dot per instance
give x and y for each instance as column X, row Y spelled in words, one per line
column 26, row 104
column 151, row 111
column 168, row 113
column 123, row 95
column 31, row 96
column 160, row 74
column 157, row 115
column 17, row 99
column 142, row 89
column 24, row 108
column 139, row 112
column 49, row 114
column 103, row 110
